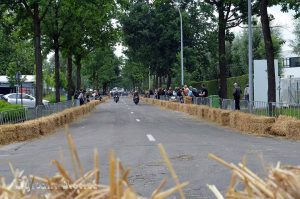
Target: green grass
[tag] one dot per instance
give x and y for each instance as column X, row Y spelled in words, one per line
column 293, row 112
column 4, row 106
column 12, row 113
column 51, row 98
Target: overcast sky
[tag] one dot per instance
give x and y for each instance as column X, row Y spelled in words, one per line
column 284, row 20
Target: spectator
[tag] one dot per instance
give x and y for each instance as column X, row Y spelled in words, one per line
column 204, row 91
column 190, row 93
column 180, row 95
column 246, row 93
column 81, row 97
column 185, row 90
column 195, row 92
column 237, row 95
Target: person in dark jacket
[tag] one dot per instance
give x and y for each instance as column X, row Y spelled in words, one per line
column 237, row 96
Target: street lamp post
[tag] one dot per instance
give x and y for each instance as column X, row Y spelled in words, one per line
column 181, row 44
column 250, row 62
column 18, row 78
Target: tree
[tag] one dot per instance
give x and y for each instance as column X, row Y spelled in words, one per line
column 101, row 68
column 16, row 52
column 237, row 52
column 35, row 11
column 296, row 43
column 230, row 14
column 58, row 16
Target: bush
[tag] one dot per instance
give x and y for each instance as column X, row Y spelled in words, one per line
column 213, row 85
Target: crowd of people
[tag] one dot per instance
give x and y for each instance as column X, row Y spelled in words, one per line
column 179, row 93
column 83, row 96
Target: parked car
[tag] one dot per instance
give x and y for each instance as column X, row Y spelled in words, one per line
column 2, row 97
column 28, row 100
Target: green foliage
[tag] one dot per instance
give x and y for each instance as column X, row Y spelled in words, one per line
column 11, row 112
column 296, row 43
column 213, row 85
column 51, row 98
column 4, row 106
column 101, row 68
column 237, row 52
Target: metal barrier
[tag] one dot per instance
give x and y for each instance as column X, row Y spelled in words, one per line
column 255, row 107
column 13, row 116
column 202, row 101
column 24, row 114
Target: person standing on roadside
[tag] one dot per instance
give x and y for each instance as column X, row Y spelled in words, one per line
column 237, row 96
column 246, row 93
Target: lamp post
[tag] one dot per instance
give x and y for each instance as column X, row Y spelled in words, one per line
column 181, row 44
column 250, row 62
column 18, row 78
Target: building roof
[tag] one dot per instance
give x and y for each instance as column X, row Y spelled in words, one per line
column 29, row 78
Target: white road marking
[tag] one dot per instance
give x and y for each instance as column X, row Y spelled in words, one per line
column 138, row 120
column 131, row 112
column 151, row 138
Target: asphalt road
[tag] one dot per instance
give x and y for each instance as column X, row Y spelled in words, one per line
column 134, row 131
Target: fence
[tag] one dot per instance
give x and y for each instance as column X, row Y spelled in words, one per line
column 273, row 109
column 24, row 114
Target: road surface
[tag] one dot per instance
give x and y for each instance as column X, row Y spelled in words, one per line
column 134, row 131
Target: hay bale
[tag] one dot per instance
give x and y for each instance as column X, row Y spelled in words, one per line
column 187, row 100
column 260, row 125
column 27, row 130
column 7, row 134
column 223, row 117
column 286, row 126
column 47, row 124
column 233, row 118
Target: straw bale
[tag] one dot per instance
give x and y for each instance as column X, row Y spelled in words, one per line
column 47, row 124
column 7, row 134
column 233, row 119
column 282, row 181
column 223, row 117
column 27, row 130
column 251, row 123
column 286, row 126
column 187, row 99
column 205, row 110
column 212, row 114
column 193, row 109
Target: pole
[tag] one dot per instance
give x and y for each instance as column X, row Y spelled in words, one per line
column 181, row 52
column 149, row 79
column 250, row 62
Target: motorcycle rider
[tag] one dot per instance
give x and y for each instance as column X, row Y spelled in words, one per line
column 116, row 97
column 136, row 97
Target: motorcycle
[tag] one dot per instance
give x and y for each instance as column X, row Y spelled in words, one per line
column 116, row 99
column 136, row 99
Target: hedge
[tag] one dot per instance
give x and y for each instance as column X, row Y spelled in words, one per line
column 213, row 86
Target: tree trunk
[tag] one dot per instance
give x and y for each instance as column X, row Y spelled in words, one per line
column 169, row 81
column 222, row 57
column 263, row 5
column 69, row 76
column 78, row 72
column 38, row 56
column 57, row 69
column 104, row 88
column 156, row 81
